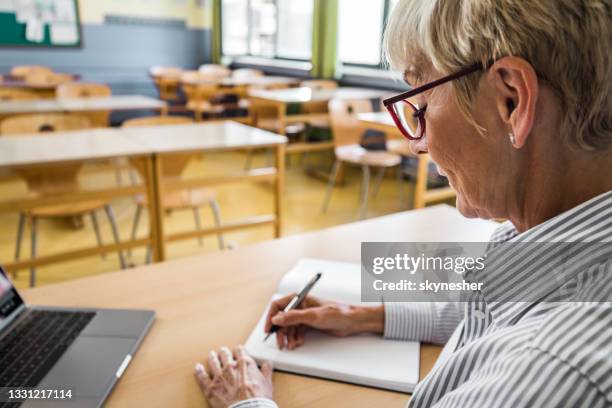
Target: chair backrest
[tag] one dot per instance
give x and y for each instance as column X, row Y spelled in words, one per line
column 244, row 73
column 218, row 71
column 346, row 127
column 13, row 94
column 22, row 71
column 156, row 121
column 49, row 179
column 47, row 79
column 168, row 87
column 199, row 86
column 81, row 90
column 317, row 84
column 173, row 166
column 158, row 71
column 41, row 123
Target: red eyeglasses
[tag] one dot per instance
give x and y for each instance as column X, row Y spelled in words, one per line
column 409, row 117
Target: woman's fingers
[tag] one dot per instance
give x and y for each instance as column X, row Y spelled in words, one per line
column 202, row 377
column 226, row 357
column 267, row 370
column 275, row 307
column 291, row 337
column 214, row 364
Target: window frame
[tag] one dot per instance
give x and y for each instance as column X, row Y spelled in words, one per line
column 249, row 54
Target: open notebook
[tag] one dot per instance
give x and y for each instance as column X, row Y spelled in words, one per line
column 366, row 360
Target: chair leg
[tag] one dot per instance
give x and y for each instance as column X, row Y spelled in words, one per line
column 96, row 227
column 249, row 159
column 214, row 206
column 133, row 177
column 269, row 157
column 135, row 227
column 118, row 175
column 365, row 186
column 331, row 184
column 149, row 255
column 198, row 223
column 379, row 179
column 113, row 224
column 400, row 184
column 19, row 240
column 33, row 237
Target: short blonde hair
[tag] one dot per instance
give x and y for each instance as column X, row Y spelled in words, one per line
column 568, row 43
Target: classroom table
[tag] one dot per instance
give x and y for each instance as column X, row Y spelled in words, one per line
column 147, row 148
column 163, row 141
column 231, row 82
column 109, row 103
column 280, row 98
column 43, row 90
column 216, row 299
column 383, row 122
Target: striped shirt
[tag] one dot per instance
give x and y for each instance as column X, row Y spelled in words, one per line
column 549, row 353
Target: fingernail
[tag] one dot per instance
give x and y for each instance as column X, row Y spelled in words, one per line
column 199, row 368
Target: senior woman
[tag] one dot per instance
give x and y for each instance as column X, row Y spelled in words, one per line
column 513, row 101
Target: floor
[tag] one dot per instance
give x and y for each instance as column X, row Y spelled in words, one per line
column 302, row 205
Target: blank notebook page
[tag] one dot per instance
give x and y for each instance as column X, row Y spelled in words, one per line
column 366, row 359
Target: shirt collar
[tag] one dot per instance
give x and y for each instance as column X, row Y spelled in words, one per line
column 521, row 269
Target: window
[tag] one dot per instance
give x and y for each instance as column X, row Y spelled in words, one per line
column 267, row 28
column 360, row 30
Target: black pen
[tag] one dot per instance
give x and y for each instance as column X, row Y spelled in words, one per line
column 296, row 301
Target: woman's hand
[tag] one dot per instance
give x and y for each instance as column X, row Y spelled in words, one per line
column 334, row 318
column 233, row 377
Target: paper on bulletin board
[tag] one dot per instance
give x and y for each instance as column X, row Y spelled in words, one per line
column 7, row 6
column 35, row 31
column 64, row 34
column 25, row 11
column 65, row 11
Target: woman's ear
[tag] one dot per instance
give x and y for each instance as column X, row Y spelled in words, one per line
column 516, row 85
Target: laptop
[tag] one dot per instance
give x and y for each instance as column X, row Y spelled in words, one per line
column 77, row 354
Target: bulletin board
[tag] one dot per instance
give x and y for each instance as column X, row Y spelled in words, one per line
column 42, row 23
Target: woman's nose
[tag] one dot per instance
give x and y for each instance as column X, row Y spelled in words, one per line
column 419, row 146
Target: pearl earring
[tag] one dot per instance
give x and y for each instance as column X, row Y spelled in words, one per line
column 512, row 139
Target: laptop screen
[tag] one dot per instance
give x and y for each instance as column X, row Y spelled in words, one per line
column 9, row 299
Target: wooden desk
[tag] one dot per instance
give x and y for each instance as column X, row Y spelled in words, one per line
column 163, row 141
column 216, row 299
column 111, row 103
column 42, row 90
column 148, row 148
column 70, row 147
column 250, row 81
column 280, row 98
column 383, row 122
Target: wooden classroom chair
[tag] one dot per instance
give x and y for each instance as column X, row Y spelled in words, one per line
column 54, row 179
column 216, row 70
column 168, row 82
column 173, row 169
column 347, row 131
column 81, row 90
column 245, row 73
column 201, row 90
column 48, row 79
column 14, row 94
column 22, row 71
column 318, row 107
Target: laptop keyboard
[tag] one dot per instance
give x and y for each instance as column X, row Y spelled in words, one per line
column 33, row 347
